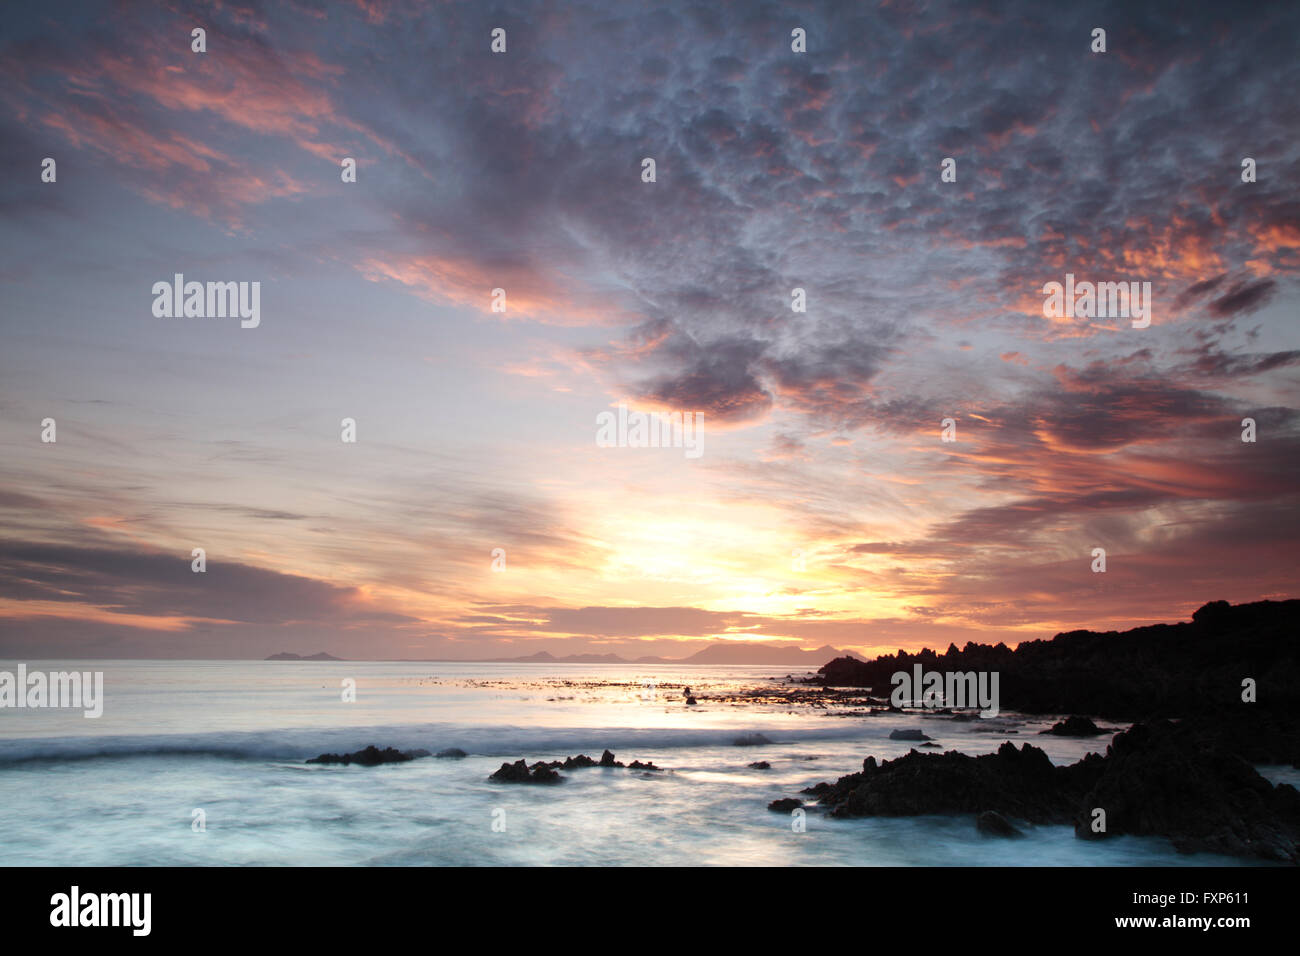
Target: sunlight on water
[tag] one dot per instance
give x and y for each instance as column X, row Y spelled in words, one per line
column 230, row 738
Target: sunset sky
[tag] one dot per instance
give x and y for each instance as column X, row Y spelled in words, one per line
column 476, row 430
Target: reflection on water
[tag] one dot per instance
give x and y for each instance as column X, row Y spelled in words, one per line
column 230, row 737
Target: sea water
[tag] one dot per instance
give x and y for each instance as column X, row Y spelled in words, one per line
column 203, row 763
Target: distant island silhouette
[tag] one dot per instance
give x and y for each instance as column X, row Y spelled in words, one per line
column 730, row 653
column 735, row 653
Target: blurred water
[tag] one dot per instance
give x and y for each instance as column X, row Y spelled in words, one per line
column 230, row 738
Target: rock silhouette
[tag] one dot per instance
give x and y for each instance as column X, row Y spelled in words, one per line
column 908, row 735
column 785, row 804
column 1156, row 779
column 1164, row 670
column 520, row 772
column 371, row 756
column 547, row 771
column 1074, row 727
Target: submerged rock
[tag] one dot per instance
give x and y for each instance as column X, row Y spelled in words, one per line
column 1074, row 726
column 760, row 765
column 544, row 771
column 451, row 752
column 908, row 735
column 992, row 823
column 785, row 804
column 751, row 740
column 371, row 756
column 520, row 772
column 580, row 761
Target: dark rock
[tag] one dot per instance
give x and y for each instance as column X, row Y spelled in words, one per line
column 1074, row 726
column 579, row 762
column 1161, row 778
column 760, row 765
column 992, row 823
column 1256, row 734
column 1214, row 616
column 785, row 804
column 930, row 743
column 690, row 701
column 850, row 672
column 544, row 771
column 1021, row 783
column 451, row 752
column 1156, row 779
column 371, row 756
column 908, row 735
column 751, row 740
column 520, row 772
column 1161, row 670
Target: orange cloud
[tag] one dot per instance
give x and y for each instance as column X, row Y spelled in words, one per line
column 461, row 281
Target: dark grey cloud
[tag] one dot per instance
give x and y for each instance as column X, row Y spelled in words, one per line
column 1243, row 297
column 163, row 585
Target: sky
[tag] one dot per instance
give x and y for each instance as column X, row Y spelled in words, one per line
column 825, row 506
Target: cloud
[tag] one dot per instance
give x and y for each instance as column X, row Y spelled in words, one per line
column 150, row 584
column 1243, row 297
column 775, row 171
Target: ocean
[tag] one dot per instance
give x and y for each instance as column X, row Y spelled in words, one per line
column 224, row 744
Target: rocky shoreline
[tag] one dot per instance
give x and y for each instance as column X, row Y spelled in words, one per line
column 1156, row 779
column 1164, row 670
column 1210, row 698
column 1207, row 700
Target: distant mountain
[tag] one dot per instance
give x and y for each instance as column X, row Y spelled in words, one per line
column 543, row 657
column 716, row 654
column 737, row 653
column 286, row 656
